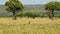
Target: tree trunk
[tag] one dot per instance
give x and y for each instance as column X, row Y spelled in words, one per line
column 52, row 13
column 14, row 16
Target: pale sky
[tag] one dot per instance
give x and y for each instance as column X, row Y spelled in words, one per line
column 30, row 2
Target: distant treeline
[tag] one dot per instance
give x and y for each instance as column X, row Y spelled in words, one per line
column 36, row 9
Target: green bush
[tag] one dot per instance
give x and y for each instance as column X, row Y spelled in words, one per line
column 58, row 16
column 31, row 14
column 28, row 14
column 21, row 14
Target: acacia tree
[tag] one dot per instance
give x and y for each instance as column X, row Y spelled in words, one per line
column 14, row 6
column 52, row 6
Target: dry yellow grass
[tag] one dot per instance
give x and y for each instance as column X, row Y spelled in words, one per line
column 36, row 26
column 31, row 20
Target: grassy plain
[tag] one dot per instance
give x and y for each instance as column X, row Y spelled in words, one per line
column 29, row 26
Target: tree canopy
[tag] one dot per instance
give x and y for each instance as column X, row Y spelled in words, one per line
column 54, row 5
column 14, row 6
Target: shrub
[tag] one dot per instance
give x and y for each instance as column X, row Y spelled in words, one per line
column 31, row 14
column 21, row 14
column 28, row 14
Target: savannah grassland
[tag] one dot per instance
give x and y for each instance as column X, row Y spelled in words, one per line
column 29, row 26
